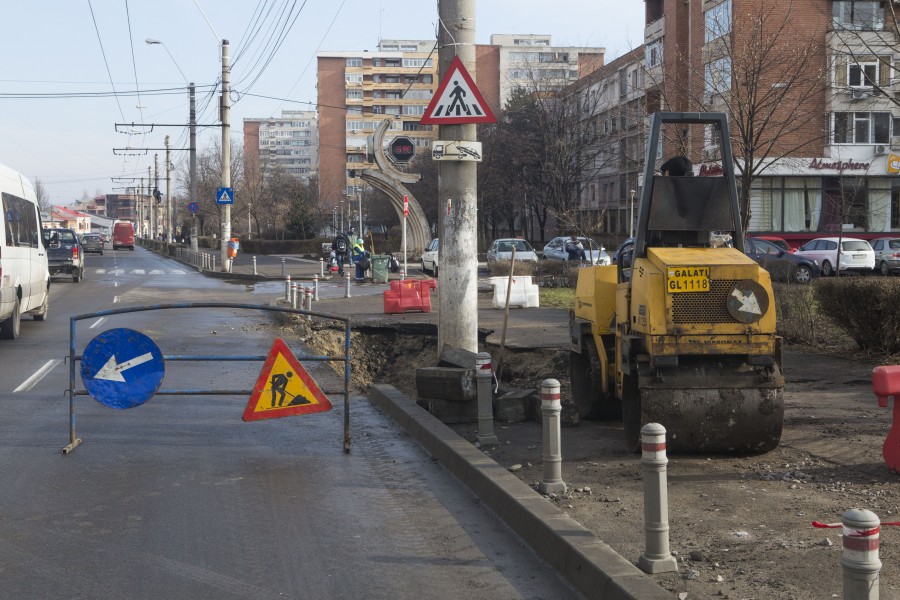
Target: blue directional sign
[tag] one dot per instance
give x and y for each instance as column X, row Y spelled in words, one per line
column 225, row 195
column 193, row 207
column 122, row 368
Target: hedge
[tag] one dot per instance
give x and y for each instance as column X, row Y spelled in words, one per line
column 866, row 308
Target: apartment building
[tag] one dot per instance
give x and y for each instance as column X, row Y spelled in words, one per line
column 613, row 120
column 288, row 144
column 357, row 90
column 532, row 62
column 826, row 79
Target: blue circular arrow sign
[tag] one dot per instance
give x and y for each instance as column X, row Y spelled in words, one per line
column 122, row 368
column 193, row 207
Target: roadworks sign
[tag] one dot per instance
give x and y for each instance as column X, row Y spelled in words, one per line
column 284, row 388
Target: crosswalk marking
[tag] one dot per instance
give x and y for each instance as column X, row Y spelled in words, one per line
column 138, row 272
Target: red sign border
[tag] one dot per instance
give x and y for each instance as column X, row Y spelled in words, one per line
column 280, row 347
column 429, row 119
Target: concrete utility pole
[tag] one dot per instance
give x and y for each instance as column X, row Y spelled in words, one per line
column 155, row 203
column 457, row 196
column 226, row 155
column 169, row 232
column 192, row 119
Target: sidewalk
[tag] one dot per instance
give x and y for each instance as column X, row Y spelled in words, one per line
column 586, row 562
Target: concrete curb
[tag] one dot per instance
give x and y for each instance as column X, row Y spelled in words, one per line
column 588, row 564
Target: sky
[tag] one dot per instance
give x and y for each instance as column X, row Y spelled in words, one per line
column 56, row 49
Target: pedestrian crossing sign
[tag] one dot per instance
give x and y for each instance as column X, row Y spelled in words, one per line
column 457, row 100
column 225, row 195
column 284, row 388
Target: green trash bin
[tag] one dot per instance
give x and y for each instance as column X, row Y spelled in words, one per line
column 379, row 267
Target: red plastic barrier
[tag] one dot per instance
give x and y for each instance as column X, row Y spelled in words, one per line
column 886, row 383
column 408, row 295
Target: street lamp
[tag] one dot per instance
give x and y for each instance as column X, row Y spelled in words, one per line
column 153, row 42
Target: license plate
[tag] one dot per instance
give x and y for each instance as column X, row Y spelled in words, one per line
column 859, row 256
column 687, row 279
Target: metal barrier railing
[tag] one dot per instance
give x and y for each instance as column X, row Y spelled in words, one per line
column 74, row 357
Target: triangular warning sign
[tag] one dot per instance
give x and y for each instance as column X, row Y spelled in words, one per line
column 457, row 100
column 284, row 388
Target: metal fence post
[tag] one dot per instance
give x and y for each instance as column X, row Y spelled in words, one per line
column 315, row 288
column 287, row 288
column 347, row 277
column 552, row 454
column 254, row 266
column 859, row 558
column 483, row 376
column 283, row 269
column 656, row 557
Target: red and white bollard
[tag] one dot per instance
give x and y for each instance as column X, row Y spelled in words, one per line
column 859, row 558
column 886, row 383
column 552, row 440
column 484, row 375
column 316, row 287
column 347, row 277
column 287, row 288
column 321, row 267
column 293, row 295
column 656, row 557
column 309, row 301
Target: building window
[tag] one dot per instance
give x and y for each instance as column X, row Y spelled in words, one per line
column 408, row 48
column 353, row 78
column 654, row 53
column 354, row 110
column 417, row 62
column 413, row 110
column 718, row 21
column 862, row 74
column 355, row 125
column 354, row 94
column 523, row 57
column 861, row 127
column 858, row 16
column 389, row 47
column 521, row 42
column 354, row 62
column 718, row 76
column 623, row 82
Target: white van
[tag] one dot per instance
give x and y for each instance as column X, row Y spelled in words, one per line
column 24, row 276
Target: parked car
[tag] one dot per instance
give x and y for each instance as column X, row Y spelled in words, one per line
column 781, row 264
column 430, row 258
column 501, row 250
column 887, row 254
column 92, row 242
column 64, row 253
column 593, row 252
column 777, row 241
column 856, row 254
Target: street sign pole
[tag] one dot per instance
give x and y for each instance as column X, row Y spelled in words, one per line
column 405, row 215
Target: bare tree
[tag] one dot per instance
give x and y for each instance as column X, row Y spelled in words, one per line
column 766, row 70
column 43, row 198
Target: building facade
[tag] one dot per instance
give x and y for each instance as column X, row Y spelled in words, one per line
column 288, row 144
column 831, row 162
column 532, row 62
column 356, row 92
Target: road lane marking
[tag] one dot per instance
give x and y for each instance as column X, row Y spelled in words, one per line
column 115, row 299
column 39, row 374
column 97, row 322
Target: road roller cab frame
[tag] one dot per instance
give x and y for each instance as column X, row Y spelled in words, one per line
column 682, row 330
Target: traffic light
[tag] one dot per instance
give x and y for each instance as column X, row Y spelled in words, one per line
column 157, row 194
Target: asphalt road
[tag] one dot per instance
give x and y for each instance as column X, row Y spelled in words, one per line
column 179, row 498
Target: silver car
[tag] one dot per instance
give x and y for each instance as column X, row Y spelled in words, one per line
column 593, row 252
column 501, row 250
column 92, row 242
column 855, row 254
column 887, row 254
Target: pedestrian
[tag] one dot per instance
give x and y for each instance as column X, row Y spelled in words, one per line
column 574, row 248
column 360, row 258
column 352, row 237
column 339, row 245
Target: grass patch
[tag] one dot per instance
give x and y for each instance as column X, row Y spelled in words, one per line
column 558, row 297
